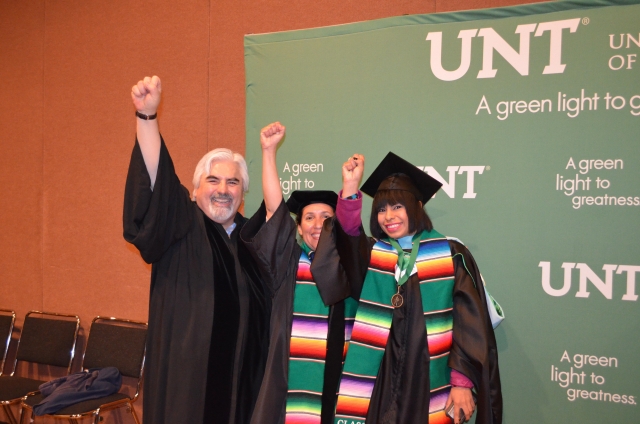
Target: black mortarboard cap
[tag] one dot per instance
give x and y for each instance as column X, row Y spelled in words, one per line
column 301, row 198
column 387, row 176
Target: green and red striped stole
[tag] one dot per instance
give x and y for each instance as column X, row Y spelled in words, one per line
column 308, row 346
column 373, row 323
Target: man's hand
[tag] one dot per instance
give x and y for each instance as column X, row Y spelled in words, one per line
column 146, row 95
column 352, row 171
column 271, row 135
column 146, row 98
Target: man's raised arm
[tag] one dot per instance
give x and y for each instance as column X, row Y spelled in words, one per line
column 146, row 98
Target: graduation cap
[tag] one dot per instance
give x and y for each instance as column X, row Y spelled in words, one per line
column 395, row 173
column 301, row 198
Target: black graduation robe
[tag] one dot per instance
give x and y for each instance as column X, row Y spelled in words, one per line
column 208, row 312
column 273, row 244
column 401, row 393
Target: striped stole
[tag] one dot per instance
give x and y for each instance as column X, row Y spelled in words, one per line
column 308, row 347
column 373, row 323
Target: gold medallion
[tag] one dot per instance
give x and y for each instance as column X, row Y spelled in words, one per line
column 396, row 300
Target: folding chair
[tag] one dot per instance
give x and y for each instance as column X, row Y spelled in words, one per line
column 7, row 320
column 112, row 342
column 47, row 338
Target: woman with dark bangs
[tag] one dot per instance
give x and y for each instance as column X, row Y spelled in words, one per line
column 420, row 220
column 417, row 283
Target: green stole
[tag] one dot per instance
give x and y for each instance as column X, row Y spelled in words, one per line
column 373, row 324
column 308, row 345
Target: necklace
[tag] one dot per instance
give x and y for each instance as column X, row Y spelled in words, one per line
column 405, row 265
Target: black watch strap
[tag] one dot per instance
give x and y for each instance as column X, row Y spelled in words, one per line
column 146, row 117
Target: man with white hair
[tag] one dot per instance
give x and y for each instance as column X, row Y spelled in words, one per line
column 208, row 312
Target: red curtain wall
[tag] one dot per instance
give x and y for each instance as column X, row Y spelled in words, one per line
column 67, row 127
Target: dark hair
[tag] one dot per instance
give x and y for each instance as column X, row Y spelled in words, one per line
column 299, row 215
column 418, row 218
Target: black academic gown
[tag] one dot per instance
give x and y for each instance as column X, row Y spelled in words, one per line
column 208, row 312
column 401, row 393
column 273, row 244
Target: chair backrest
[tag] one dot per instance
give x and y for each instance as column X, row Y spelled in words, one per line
column 48, row 338
column 7, row 320
column 116, row 342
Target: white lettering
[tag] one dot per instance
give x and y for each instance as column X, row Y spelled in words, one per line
column 612, row 64
column 483, row 105
column 493, row 41
column 546, row 278
column 470, row 194
column 555, row 45
column 465, row 55
column 570, row 164
column 611, row 41
column 519, row 60
column 586, row 274
column 630, row 38
column 634, row 106
column 449, row 187
column 631, row 281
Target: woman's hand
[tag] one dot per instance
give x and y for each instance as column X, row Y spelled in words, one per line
column 352, row 171
column 462, row 399
column 146, row 95
column 271, row 135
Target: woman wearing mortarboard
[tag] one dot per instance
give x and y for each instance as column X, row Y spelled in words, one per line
column 313, row 304
column 423, row 338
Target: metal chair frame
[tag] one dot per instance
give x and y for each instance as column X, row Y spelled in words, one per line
column 6, row 404
column 95, row 414
column 12, row 314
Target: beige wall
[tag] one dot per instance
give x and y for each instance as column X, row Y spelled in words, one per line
column 67, row 126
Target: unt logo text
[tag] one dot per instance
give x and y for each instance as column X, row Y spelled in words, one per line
column 587, row 275
column 518, row 59
column 449, row 184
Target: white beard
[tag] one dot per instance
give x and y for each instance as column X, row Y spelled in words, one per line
column 220, row 213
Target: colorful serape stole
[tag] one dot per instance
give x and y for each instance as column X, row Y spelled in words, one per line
column 350, row 308
column 373, row 323
column 308, row 346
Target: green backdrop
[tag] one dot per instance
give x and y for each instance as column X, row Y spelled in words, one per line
column 540, row 161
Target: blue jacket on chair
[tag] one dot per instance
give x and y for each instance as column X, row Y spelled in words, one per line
column 78, row 387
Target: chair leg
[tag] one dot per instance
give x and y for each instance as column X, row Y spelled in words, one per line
column 133, row 412
column 26, row 415
column 9, row 414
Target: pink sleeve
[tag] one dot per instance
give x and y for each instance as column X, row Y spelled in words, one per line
column 348, row 214
column 460, row 380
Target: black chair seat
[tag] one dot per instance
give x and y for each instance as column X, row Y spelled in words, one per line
column 112, row 342
column 81, row 407
column 17, row 387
